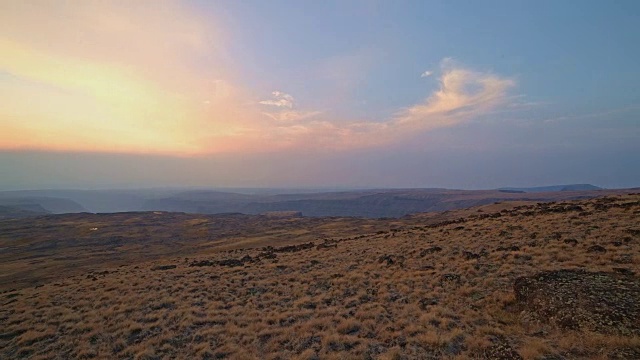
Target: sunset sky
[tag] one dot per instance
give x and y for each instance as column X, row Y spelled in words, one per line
column 457, row 94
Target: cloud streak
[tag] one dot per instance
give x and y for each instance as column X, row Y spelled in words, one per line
column 284, row 104
column 280, row 99
column 464, row 95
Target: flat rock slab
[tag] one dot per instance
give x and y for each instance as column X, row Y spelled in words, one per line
column 576, row 299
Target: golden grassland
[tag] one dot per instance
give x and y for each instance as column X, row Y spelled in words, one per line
column 413, row 288
column 34, row 251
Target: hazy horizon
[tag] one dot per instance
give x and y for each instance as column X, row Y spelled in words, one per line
column 345, row 95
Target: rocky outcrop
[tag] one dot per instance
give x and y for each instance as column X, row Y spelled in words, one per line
column 577, row 299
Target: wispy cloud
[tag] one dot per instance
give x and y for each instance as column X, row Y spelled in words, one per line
column 280, row 99
column 600, row 114
column 291, row 115
column 464, row 95
column 284, row 112
column 426, row 74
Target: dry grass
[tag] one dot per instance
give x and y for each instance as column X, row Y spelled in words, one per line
column 377, row 296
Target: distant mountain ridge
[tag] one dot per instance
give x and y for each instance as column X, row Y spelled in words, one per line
column 18, row 212
column 570, row 187
column 41, row 204
column 372, row 203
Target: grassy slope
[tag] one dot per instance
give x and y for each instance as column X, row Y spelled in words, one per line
column 377, row 294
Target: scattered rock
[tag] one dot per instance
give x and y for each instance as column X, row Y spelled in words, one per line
column 573, row 208
column 624, row 259
column 426, row 302
column 202, row 263
column 231, row 262
column 455, row 346
column 224, row 262
column 450, row 278
column 12, row 334
column 430, row 250
column 163, row 267
column 624, row 271
column 312, row 341
column 556, row 236
column 634, row 232
column 500, row 350
column 326, row 245
column 373, row 351
column 295, row 248
column 392, row 259
column 596, row 249
column 267, row 255
column 469, row 255
column 625, row 353
column 522, row 258
column 508, row 248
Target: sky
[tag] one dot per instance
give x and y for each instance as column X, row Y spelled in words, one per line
column 454, row 94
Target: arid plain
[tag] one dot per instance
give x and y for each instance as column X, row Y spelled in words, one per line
column 514, row 280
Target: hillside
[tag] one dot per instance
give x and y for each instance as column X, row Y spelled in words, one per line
column 21, row 211
column 40, row 204
column 522, row 280
column 372, row 203
column 570, row 187
column 365, row 203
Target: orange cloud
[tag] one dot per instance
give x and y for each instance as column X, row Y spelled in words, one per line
column 110, row 76
column 463, row 95
column 120, row 77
